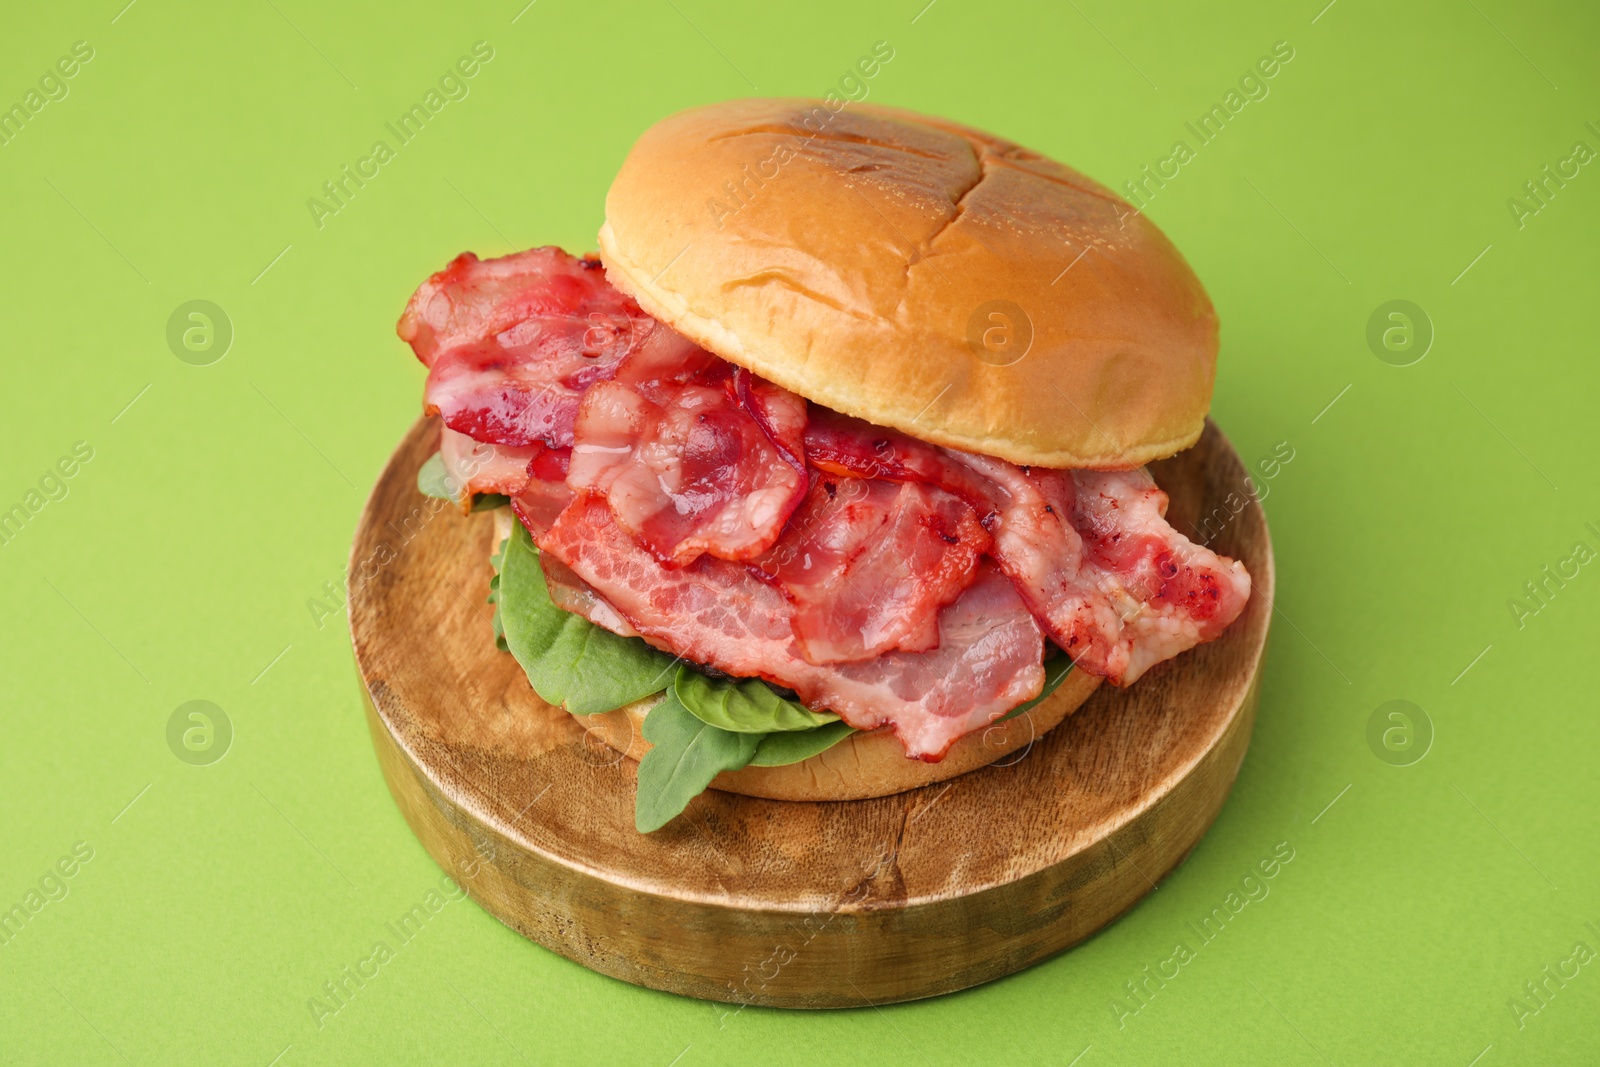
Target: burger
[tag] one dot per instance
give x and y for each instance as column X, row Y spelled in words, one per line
column 832, row 457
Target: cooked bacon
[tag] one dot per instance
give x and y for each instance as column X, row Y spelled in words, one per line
column 512, row 344
column 1114, row 584
column 474, row 300
column 715, row 612
column 544, row 493
column 844, row 444
column 479, row 468
column 989, row 660
column 1069, row 542
column 1042, row 554
column 780, row 414
column 725, row 520
column 866, row 565
column 692, row 455
column 571, row 593
column 1172, row 594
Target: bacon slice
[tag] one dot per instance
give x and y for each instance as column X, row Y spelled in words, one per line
column 866, row 564
column 715, row 612
column 544, row 493
column 571, row 593
column 1113, row 583
column 474, row 300
column 512, row 344
column 692, row 455
column 481, row 468
column 1171, row 593
column 1090, row 552
column 846, row 445
column 1041, row 552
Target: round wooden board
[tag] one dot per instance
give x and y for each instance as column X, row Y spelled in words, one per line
column 771, row 902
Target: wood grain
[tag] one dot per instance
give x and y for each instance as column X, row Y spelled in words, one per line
column 780, row 903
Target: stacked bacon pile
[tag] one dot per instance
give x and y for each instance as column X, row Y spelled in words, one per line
column 731, row 523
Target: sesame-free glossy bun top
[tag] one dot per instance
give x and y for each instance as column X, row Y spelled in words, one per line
column 920, row 275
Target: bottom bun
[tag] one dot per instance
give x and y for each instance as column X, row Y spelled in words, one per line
column 866, row 764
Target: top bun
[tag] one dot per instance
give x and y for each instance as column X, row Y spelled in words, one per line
column 920, row 275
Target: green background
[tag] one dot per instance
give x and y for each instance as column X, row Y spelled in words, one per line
column 180, row 563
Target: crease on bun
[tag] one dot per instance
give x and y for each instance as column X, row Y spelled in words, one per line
column 918, row 274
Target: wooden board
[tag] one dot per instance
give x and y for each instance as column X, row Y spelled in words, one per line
column 771, row 902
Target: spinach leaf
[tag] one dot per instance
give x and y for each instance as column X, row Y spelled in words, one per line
column 685, row 755
column 695, row 747
column 569, row 660
column 435, row 481
column 744, row 705
column 792, row 746
column 1055, row 672
column 494, row 598
column 689, row 749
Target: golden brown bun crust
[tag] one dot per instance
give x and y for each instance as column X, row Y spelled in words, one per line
column 861, row 263
column 871, row 764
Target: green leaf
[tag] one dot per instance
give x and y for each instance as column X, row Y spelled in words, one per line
column 434, row 480
column 685, row 755
column 745, row 706
column 569, row 660
column 494, row 598
column 1055, row 672
column 792, row 746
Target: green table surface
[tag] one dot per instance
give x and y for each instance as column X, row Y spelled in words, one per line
column 1444, row 865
